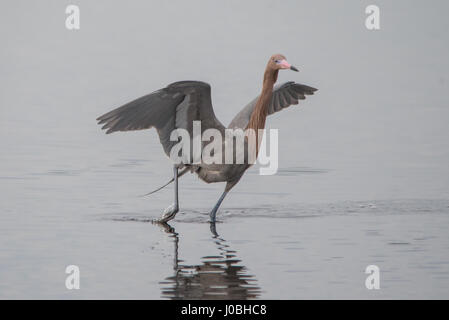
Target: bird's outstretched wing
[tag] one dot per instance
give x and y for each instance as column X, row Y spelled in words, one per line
column 175, row 106
column 284, row 95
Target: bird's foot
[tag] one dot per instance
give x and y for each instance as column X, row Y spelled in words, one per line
column 169, row 213
column 213, row 229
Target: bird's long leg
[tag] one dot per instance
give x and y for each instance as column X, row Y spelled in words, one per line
column 213, row 213
column 229, row 186
column 170, row 212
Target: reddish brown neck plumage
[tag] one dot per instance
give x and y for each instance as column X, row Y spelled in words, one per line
column 259, row 114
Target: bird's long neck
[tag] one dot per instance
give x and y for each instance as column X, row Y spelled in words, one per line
column 260, row 111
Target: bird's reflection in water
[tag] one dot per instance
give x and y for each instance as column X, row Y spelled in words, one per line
column 219, row 276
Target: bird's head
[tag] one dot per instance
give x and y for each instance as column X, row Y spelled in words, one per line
column 278, row 62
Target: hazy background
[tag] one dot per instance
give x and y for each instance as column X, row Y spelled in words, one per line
column 367, row 155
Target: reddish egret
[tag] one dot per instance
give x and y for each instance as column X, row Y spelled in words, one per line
column 179, row 104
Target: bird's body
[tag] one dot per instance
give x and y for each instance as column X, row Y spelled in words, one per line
column 179, row 104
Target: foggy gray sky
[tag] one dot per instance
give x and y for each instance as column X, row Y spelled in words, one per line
column 382, row 104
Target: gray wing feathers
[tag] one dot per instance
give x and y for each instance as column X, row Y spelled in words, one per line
column 175, row 106
column 152, row 110
column 284, row 95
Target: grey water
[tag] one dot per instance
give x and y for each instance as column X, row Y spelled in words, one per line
column 363, row 173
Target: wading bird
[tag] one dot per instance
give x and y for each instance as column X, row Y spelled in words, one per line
column 179, row 104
